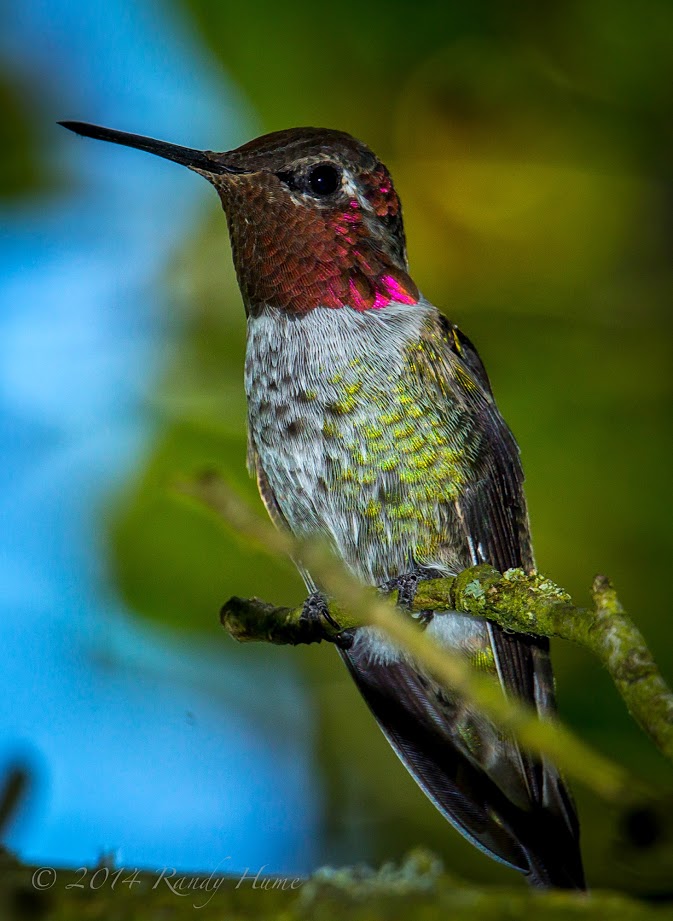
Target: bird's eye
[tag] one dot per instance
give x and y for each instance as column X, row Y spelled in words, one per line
column 324, row 179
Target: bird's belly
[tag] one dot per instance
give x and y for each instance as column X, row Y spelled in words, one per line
column 354, row 444
column 381, row 489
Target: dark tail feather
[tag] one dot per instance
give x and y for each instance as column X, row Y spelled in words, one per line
column 536, row 841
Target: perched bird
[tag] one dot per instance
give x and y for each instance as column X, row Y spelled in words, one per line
column 372, row 423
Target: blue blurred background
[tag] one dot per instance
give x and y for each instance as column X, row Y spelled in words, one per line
column 141, row 743
column 533, row 155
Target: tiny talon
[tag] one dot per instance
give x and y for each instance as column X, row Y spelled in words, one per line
column 344, row 640
column 314, row 614
column 406, row 587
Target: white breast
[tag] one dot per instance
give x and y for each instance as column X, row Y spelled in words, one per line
column 298, row 368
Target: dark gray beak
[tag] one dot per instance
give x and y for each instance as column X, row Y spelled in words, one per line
column 204, row 160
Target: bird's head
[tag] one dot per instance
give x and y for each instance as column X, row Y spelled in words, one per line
column 313, row 216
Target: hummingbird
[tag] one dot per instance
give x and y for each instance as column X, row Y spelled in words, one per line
column 372, row 424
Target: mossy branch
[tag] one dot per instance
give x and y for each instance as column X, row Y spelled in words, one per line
column 515, row 600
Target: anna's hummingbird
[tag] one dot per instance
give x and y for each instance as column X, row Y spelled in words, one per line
column 371, row 422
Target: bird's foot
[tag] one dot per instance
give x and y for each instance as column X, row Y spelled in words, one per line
column 315, row 616
column 406, row 587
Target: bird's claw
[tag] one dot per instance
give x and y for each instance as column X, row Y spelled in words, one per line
column 314, row 616
column 406, row 587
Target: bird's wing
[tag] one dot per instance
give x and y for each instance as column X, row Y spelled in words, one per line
column 503, row 799
column 493, row 512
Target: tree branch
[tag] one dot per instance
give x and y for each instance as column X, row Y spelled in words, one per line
column 529, row 604
column 516, row 601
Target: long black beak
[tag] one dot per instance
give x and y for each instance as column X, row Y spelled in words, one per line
column 195, row 159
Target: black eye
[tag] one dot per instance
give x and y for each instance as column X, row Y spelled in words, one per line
column 324, row 179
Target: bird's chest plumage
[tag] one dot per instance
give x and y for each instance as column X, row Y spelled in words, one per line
column 351, row 441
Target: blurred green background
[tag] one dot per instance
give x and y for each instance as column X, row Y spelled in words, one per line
column 532, row 148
